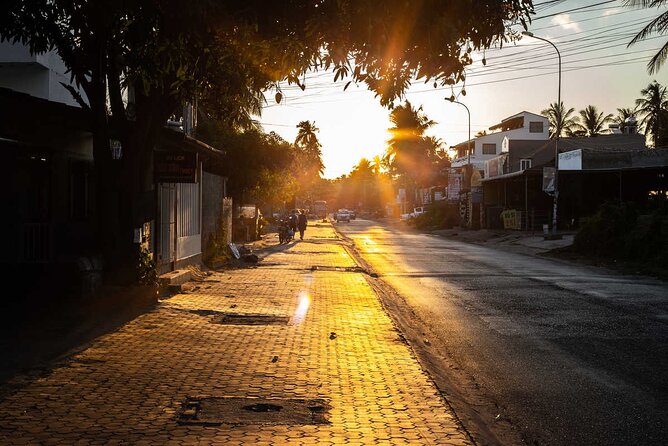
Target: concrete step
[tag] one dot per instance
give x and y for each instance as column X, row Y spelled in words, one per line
column 172, row 281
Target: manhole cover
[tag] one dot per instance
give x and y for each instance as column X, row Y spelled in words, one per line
column 346, row 269
column 214, row 411
column 250, row 319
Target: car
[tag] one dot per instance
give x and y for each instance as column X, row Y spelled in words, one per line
column 417, row 211
column 342, row 215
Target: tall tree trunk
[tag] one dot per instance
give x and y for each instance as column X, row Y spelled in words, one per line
column 106, row 230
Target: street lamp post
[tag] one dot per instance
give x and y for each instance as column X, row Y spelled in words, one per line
column 452, row 99
column 469, row 113
column 556, row 139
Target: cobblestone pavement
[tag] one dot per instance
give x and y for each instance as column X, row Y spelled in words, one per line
column 131, row 386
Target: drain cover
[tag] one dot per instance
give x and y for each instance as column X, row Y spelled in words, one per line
column 346, row 269
column 215, row 411
column 251, row 319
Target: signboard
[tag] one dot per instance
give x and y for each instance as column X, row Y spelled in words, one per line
column 476, row 194
column 401, row 196
column 571, row 160
column 494, row 166
column 116, row 149
column 476, row 179
column 548, row 180
column 175, row 167
column 247, row 211
column 426, row 196
column 511, row 219
column 454, row 186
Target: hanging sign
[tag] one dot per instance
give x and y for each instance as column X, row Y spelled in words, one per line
column 175, row 167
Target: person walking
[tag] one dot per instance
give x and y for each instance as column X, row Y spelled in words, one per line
column 302, row 222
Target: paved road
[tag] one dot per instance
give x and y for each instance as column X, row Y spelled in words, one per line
column 564, row 354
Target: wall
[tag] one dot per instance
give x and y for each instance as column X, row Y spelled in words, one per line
column 212, row 204
column 38, row 75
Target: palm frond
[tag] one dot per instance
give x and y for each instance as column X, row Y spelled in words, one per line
column 645, row 3
column 655, row 63
column 649, row 29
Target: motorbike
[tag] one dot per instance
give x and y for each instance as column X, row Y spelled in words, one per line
column 285, row 232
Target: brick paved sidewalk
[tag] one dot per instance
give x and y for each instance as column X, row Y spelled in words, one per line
column 171, row 376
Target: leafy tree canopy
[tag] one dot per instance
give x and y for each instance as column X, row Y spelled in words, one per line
column 162, row 44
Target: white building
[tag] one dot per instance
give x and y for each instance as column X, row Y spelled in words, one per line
column 39, row 75
column 523, row 125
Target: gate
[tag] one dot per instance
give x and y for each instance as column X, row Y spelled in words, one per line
column 180, row 224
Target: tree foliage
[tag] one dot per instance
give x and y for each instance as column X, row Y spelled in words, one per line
column 560, row 118
column 258, row 165
column 623, row 114
column 592, row 122
column 226, row 54
column 652, row 107
column 410, row 152
column 311, row 153
column 658, row 25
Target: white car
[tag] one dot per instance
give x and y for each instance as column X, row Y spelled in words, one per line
column 416, row 213
column 342, row 215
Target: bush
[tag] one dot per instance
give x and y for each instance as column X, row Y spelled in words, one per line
column 438, row 216
column 624, row 232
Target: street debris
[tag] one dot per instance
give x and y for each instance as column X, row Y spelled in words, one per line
column 234, row 250
column 250, row 258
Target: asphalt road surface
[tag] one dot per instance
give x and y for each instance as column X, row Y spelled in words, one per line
column 528, row 349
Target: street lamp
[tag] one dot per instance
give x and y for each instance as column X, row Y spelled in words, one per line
column 556, row 139
column 452, row 99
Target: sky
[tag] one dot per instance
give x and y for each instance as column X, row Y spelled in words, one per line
column 597, row 69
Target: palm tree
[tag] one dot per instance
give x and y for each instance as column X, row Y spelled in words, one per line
column 622, row 115
column 378, row 164
column 307, row 134
column 405, row 145
column 657, row 26
column 593, row 121
column 307, row 142
column 653, row 108
column 560, row 118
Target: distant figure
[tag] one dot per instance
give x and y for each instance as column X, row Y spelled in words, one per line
column 293, row 220
column 302, row 222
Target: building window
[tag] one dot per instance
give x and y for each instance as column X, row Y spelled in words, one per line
column 536, row 127
column 489, row 149
column 525, row 164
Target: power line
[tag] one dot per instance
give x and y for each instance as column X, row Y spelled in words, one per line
column 572, row 10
